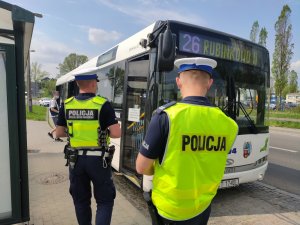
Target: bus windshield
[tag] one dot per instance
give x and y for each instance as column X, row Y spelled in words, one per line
column 241, row 78
column 240, row 98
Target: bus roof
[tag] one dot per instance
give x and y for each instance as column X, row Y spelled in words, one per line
column 131, row 47
column 70, row 75
column 125, row 49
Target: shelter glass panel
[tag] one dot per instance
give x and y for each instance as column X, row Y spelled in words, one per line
column 5, row 174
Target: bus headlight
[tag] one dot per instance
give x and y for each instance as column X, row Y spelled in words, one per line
column 247, row 167
column 261, row 161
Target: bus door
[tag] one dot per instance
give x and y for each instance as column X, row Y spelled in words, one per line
column 135, row 97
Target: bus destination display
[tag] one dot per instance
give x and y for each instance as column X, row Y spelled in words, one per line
column 231, row 50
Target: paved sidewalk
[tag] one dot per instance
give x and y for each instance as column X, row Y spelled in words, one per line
column 50, row 201
column 51, row 204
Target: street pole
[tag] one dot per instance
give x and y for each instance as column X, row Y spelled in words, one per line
column 29, row 96
column 29, row 92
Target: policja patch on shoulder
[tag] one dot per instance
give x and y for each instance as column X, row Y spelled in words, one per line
column 163, row 107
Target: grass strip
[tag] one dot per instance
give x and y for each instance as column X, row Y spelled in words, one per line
column 38, row 113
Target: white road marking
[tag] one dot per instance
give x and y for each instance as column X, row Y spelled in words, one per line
column 284, row 149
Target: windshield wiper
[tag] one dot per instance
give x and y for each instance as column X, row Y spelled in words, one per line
column 233, row 106
column 230, row 108
column 251, row 126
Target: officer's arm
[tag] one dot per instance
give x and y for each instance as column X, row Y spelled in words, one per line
column 144, row 165
column 60, row 131
column 54, row 110
column 114, row 130
column 61, row 123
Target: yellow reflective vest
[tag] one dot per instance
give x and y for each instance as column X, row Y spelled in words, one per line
column 187, row 179
column 83, row 121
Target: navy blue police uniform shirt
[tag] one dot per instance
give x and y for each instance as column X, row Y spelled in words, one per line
column 107, row 113
column 155, row 141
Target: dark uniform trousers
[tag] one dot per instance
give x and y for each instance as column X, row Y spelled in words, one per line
column 90, row 169
column 201, row 219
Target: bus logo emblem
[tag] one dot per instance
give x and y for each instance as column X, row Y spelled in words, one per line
column 247, row 149
column 229, row 162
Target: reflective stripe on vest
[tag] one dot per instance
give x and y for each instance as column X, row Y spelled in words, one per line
column 187, row 180
column 83, row 121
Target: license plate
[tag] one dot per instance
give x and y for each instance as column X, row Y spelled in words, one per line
column 229, row 169
column 229, row 183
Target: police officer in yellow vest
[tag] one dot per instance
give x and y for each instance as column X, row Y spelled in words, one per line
column 186, row 147
column 89, row 121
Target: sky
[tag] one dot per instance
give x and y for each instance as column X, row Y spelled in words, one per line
column 90, row 27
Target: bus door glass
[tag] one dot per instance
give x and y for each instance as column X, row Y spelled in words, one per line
column 136, row 84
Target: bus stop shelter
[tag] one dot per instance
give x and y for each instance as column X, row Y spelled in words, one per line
column 16, row 27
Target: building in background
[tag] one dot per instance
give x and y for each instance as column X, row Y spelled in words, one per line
column 293, row 98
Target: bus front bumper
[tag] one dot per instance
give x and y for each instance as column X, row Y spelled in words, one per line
column 234, row 179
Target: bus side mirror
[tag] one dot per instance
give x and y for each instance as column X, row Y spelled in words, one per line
column 166, row 50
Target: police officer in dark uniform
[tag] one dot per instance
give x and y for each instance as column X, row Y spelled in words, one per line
column 185, row 148
column 89, row 121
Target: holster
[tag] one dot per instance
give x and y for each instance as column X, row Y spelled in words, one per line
column 110, row 154
column 156, row 218
column 71, row 156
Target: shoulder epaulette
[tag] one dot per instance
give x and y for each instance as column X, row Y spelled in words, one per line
column 69, row 99
column 102, row 97
column 99, row 100
column 163, row 107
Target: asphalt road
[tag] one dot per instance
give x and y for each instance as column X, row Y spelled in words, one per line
column 284, row 160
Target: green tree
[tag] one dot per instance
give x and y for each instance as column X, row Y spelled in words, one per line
column 263, row 35
column 48, row 86
column 283, row 51
column 71, row 62
column 293, row 83
column 254, row 31
column 285, row 91
column 37, row 74
column 116, row 78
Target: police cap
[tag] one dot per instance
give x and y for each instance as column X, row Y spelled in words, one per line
column 87, row 74
column 196, row 63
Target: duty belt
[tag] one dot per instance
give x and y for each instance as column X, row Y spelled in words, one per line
column 105, row 154
column 91, row 152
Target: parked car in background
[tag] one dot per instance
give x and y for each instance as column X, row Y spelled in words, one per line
column 44, row 102
column 290, row 105
column 272, row 106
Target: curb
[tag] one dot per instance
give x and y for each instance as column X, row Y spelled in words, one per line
column 279, row 190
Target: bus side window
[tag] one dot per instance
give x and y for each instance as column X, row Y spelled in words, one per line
column 111, row 84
